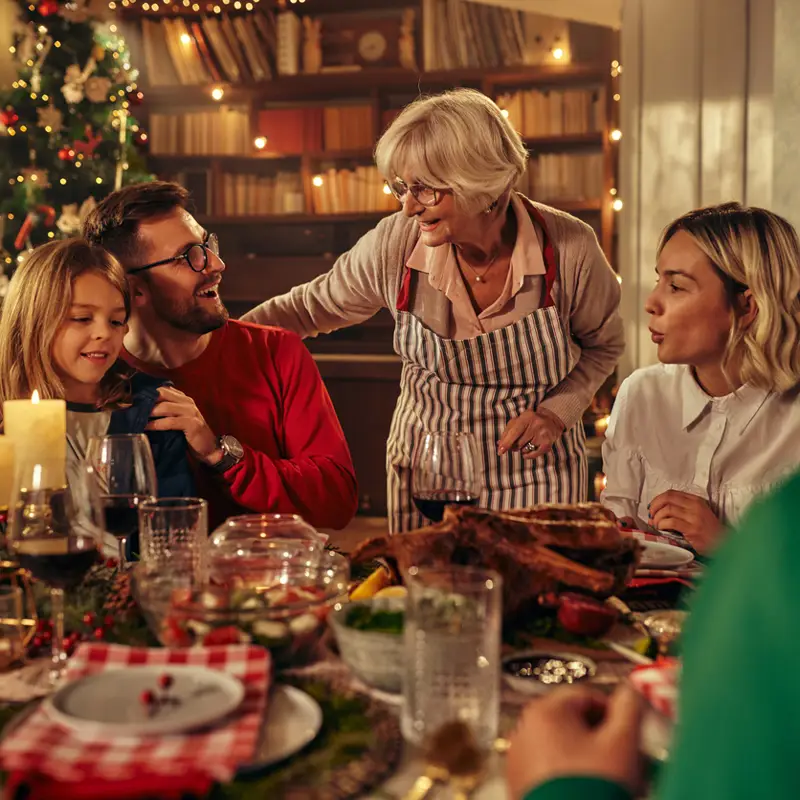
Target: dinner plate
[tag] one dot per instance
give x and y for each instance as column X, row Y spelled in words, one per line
column 110, row 703
column 292, row 721
column 658, row 555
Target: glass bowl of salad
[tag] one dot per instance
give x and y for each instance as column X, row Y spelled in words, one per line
column 274, row 592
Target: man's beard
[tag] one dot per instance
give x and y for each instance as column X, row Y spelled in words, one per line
column 190, row 316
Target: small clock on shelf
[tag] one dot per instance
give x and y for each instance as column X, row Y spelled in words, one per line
column 372, row 46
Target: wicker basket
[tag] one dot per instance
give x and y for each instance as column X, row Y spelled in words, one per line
column 376, row 658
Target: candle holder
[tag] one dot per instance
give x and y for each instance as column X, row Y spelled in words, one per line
column 13, row 576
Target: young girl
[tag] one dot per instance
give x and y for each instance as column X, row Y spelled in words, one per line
column 61, row 330
column 695, row 438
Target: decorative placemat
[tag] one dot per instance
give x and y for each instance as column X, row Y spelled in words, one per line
column 358, row 748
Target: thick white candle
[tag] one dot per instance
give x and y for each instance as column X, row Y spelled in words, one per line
column 6, row 471
column 38, row 429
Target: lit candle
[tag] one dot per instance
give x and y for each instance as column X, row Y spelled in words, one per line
column 38, row 429
column 600, row 482
column 601, row 425
column 6, row 471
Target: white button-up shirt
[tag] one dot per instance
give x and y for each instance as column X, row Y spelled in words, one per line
column 666, row 433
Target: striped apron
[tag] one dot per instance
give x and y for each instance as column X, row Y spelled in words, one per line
column 479, row 385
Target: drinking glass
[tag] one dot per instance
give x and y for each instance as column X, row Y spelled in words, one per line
column 51, row 533
column 12, row 620
column 452, row 652
column 122, row 475
column 173, row 536
column 447, row 470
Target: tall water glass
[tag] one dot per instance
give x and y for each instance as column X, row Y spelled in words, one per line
column 452, row 658
column 173, row 533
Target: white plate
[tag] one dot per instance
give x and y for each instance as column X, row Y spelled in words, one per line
column 658, row 555
column 293, row 720
column 110, row 703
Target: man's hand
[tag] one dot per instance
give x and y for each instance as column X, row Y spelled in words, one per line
column 540, row 428
column 687, row 514
column 576, row 731
column 178, row 412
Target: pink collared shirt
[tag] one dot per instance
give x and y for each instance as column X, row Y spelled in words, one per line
column 520, row 296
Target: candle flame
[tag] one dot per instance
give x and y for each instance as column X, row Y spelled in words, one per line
column 35, row 396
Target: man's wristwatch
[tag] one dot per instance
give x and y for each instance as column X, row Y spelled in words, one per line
column 232, row 453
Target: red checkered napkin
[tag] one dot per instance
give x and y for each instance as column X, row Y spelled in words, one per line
column 659, row 684
column 41, row 746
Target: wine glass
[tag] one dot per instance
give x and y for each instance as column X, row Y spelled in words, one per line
column 447, row 471
column 122, row 475
column 52, row 536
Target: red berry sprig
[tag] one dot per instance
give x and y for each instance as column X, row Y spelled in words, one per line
column 153, row 701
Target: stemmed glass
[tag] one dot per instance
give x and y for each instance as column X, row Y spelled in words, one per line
column 52, row 536
column 447, row 471
column 122, row 475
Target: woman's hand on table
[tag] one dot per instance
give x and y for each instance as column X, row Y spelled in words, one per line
column 531, row 428
column 577, row 731
column 687, row 514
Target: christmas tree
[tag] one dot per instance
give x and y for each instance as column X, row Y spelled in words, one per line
column 66, row 134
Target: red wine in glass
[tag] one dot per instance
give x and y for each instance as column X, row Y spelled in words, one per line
column 432, row 504
column 61, row 563
column 121, row 513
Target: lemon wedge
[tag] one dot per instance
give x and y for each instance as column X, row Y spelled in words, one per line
column 371, row 585
column 393, row 591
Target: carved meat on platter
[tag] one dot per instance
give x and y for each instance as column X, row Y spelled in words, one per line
column 546, row 548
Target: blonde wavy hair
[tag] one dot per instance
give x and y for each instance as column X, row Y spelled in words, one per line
column 756, row 250
column 458, row 140
column 36, row 304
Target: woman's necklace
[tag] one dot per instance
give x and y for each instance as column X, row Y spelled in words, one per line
column 479, row 277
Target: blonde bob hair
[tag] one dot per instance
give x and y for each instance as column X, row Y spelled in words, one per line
column 753, row 250
column 458, row 140
column 37, row 303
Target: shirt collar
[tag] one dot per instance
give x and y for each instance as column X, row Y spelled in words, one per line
column 739, row 407
column 526, row 258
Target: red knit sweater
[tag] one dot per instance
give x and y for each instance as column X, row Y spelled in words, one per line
column 261, row 385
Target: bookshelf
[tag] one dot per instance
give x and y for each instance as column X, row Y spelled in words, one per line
column 270, row 245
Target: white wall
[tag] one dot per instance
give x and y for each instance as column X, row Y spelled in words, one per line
column 710, row 113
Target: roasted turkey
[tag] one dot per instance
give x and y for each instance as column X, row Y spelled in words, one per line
column 538, row 550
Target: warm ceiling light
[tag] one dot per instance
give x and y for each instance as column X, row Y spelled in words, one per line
column 558, row 53
column 616, row 135
column 260, row 142
column 317, row 180
column 217, row 93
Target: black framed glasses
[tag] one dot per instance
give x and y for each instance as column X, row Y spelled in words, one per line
column 195, row 255
column 426, row 196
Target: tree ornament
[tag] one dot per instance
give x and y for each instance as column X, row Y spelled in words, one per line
column 47, row 7
column 66, row 153
column 50, row 117
column 9, row 117
column 96, row 89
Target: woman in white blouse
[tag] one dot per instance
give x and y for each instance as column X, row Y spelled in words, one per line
column 694, row 439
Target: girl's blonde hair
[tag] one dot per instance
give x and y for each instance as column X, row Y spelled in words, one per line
column 458, row 140
column 754, row 249
column 37, row 303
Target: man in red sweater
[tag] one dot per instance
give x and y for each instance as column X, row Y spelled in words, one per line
column 257, row 417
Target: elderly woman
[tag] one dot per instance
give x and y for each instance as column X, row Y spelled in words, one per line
column 505, row 309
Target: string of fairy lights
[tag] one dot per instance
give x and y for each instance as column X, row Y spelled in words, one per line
column 189, row 5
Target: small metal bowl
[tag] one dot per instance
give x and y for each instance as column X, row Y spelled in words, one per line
column 538, row 671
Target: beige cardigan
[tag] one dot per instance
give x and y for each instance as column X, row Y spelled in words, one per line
column 367, row 278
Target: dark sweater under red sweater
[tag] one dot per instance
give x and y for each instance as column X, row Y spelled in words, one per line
column 261, row 385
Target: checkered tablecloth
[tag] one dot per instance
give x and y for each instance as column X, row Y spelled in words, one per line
column 659, row 684
column 42, row 747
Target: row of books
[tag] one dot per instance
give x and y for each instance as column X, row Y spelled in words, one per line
column 345, row 191
column 555, row 112
column 458, row 33
column 223, row 131
column 560, row 176
column 250, row 195
column 236, row 49
column 296, row 130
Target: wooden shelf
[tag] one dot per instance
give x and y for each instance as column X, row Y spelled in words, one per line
column 570, row 206
column 294, row 219
column 166, row 161
column 297, row 88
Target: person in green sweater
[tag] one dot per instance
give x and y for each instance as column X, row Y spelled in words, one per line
column 739, row 723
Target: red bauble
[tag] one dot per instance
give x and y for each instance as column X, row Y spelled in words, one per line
column 135, row 97
column 47, row 7
column 66, row 153
column 9, row 117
